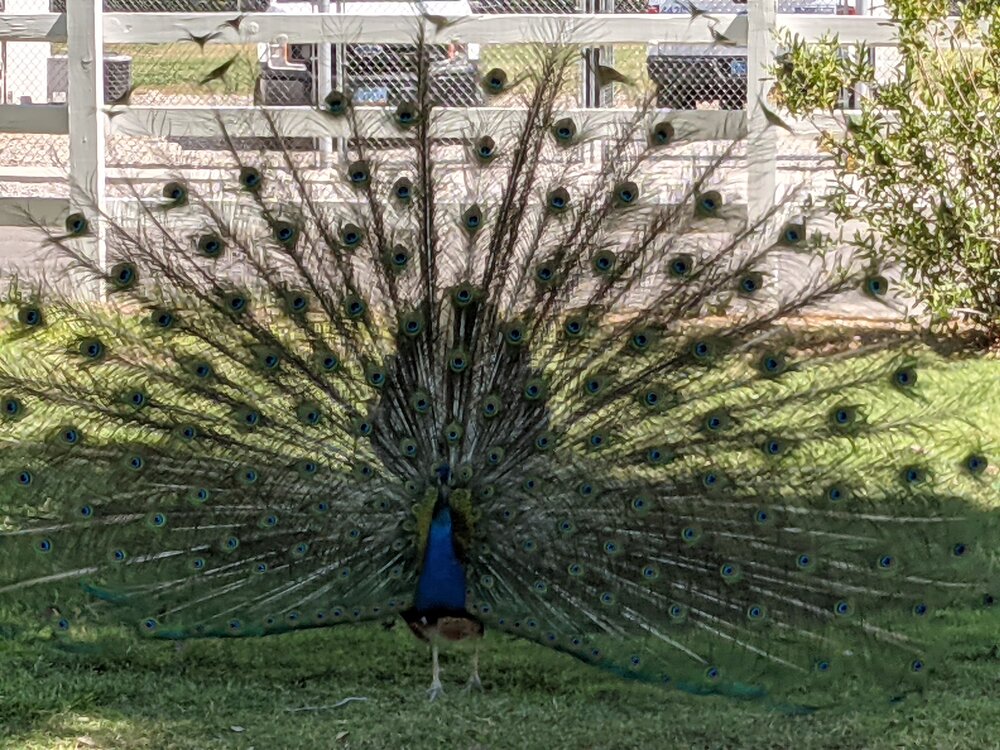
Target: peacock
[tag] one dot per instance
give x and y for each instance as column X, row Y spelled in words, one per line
column 473, row 379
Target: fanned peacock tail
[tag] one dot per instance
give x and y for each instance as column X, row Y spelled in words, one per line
column 660, row 463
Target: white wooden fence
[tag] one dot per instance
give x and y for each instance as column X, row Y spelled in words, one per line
column 86, row 28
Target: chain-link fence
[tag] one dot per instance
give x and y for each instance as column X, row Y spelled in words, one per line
column 283, row 73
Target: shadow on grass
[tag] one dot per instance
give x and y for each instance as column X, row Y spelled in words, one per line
column 242, row 694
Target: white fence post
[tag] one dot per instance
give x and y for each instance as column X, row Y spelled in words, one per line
column 762, row 143
column 85, row 98
column 324, row 74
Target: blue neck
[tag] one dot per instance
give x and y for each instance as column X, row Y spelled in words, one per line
column 442, row 579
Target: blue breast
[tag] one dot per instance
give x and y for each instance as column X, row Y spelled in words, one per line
column 442, row 579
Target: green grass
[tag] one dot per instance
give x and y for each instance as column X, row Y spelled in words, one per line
column 237, row 695
column 176, row 68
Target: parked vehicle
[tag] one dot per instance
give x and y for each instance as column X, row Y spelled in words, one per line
column 686, row 75
column 372, row 73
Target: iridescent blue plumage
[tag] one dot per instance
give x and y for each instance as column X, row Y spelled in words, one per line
column 441, row 585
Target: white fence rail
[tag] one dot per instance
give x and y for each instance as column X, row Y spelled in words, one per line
column 85, row 29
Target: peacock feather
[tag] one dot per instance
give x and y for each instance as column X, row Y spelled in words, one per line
column 480, row 383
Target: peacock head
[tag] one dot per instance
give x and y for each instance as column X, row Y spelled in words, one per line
column 443, row 473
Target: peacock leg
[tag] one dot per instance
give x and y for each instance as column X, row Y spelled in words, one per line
column 435, row 690
column 474, row 682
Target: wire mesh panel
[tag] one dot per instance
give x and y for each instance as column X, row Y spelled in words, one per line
column 279, row 72
column 713, row 75
column 23, row 82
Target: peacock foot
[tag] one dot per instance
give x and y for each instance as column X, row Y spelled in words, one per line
column 474, row 683
column 435, row 691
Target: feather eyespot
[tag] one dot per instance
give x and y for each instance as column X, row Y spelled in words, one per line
column 308, row 414
column 375, row 375
column 285, row 233
column 210, row 246
column 641, row 341
column 486, row 149
column 976, row 464
column 836, row 493
column 359, row 173
column 403, row 190
column 514, row 333
column 708, row 204
column 351, row 235
column 250, row 179
column 354, row 307
column 756, row 612
column 328, row 361
column 236, row 303
column 564, row 131
column 774, row 447
column 603, row 262
column 411, row 323
column 662, row 134
column 913, row 475
column 458, row 361
column 626, row 193
column 545, row 274
column 472, row 218
column 750, row 283
column 420, row 401
column 30, row 317
column 453, row 433
column 843, row 608
column 176, row 193
column 398, row 257
column 495, row 81
column 162, row 319
column 558, row 200
column 76, row 225
column 876, row 286
column 336, row 102
column 535, row 389
column 793, row 234
column 690, row 534
column 124, row 276
column 772, row 364
column 681, row 266
column 11, row 408
column 491, row 406
column 407, row 114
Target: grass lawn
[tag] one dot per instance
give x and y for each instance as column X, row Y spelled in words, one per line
column 176, row 68
column 238, row 695
column 243, row 694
